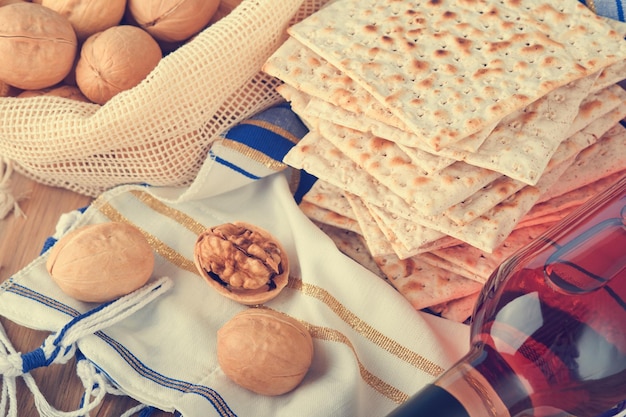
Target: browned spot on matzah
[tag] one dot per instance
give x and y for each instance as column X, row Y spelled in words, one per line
column 379, row 144
column 464, row 45
column 588, row 107
column 387, row 40
column 496, row 47
column 370, row 29
column 536, row 48
column 488, row 72
column 397, row 161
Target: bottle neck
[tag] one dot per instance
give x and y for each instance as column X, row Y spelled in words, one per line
column 460, row 392
column 432, row 401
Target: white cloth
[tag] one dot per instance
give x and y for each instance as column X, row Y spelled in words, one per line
column 371, row 348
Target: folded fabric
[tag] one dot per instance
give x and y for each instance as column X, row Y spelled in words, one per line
column 613, row 9
column 372, row 350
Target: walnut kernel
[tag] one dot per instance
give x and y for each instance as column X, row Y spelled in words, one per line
column 242, row 262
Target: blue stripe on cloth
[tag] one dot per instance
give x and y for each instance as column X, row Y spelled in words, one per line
column 613, row 9
column 273, row 132
column 47, row 244
column 181, row 386
column 305, row 182
column 232, row 166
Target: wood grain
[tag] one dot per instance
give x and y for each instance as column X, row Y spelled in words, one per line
column 21, row 240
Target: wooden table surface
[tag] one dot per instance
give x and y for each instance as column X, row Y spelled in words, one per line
column 21, row 239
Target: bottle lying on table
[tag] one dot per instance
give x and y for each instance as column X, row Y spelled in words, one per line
column 548, row 336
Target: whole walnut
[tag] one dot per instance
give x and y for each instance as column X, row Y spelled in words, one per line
column 37, row 46
column 264, row 351
column 115, row 60
column 172, row 20
column 242, row 262
column 101, row 262
column 89, row 16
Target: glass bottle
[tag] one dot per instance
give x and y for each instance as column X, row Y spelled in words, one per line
column 548, row 336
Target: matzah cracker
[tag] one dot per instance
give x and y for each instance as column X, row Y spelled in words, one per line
column 401, row 251
column 432, row 259
column 308, row 72
column 618, row 26
column 482, row 201
column 413, row 235
column 487, row 232
column 612, row 74
column 573, row 198
column 374, row 238
column 523, row 143
column 481, row 264
column 440, row 66
column 459, row 310
column 326, row 216
column 596, row 105
column 329, row 197
column 422, row 284
column 333, row 96
column 426, row 193
column 607, row 156
column 300, row 101
column 321, row 158
column 353, row 246
column 359, row 121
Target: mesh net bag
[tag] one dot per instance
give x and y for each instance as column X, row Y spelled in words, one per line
column 160, row 131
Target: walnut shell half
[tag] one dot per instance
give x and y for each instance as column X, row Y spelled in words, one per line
column 242, row 262
column 264, row 351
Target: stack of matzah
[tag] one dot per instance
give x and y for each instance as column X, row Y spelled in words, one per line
column 438, row 128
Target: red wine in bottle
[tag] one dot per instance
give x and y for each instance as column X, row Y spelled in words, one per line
column 548, row 337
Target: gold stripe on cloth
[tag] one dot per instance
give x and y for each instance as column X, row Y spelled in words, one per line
column 158, row 206
column 332, row 335
column 592, row 5
column 385, row 342
column 159, row 247
column 254, row 155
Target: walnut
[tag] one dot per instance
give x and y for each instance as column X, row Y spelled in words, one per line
column 37, row 46
column 264, row 351
column 100, row 262
column 172, row 20
column 242, row 262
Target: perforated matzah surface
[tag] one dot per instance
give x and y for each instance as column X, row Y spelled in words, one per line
column 448, row 69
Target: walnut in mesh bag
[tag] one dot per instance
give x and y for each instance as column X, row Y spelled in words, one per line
column 242, row 262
